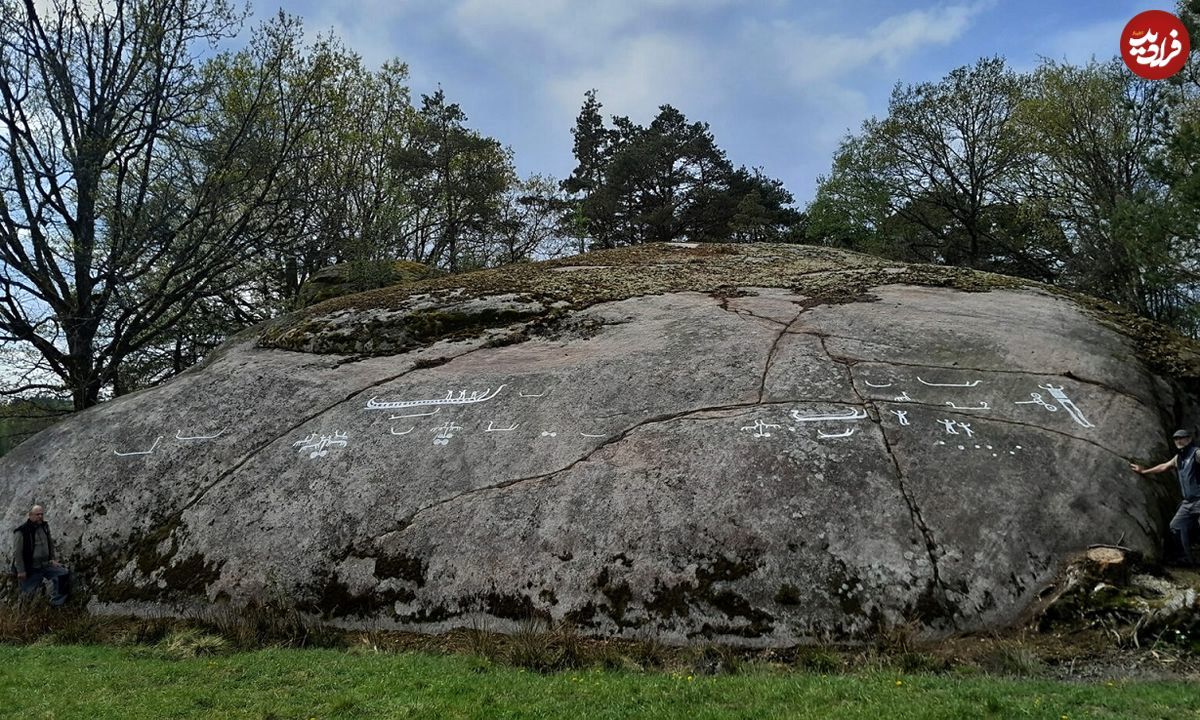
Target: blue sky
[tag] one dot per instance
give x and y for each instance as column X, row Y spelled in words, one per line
column 779, row 82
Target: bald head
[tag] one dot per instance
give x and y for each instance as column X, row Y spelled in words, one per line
column 35, row 513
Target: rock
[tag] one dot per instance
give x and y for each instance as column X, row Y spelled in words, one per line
column 760, row 444
column 348, row 278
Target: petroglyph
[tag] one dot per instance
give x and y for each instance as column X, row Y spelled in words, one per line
column 462, row 399
column 140, row 452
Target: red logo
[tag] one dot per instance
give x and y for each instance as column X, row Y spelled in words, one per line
column 1155, row 45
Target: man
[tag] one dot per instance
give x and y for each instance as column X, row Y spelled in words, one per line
column 1185, row 461
column 34, row 559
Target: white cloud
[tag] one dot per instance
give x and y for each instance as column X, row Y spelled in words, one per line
column 809, row 57
column 579, row 30
column 639, row 75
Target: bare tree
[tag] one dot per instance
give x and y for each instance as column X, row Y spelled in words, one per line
column 135, row 178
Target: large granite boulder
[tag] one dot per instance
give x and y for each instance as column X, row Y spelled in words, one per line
column 759, row 444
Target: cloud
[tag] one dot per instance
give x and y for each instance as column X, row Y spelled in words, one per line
column 639, row 75
column 579, row 29
column 809, row 57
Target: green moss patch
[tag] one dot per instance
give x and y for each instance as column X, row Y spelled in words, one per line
column 419, row 313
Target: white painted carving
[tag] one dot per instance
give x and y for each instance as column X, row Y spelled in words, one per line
column 761, row 429
column 463, row 399
column 871, row 384
column 197, row 437
column 970, row 384
column 141, row 452
column 949, row 425
column 402, row 417
column 1076, row 414
column 544, row 392
column 592, row 436
column 903, row 397
column 967, row 428
column 982, row 406
column 549, row 433
column 490, row 427
column 393, row 430
column 445, row 432
column 1037, row 400
column 847, row 433
column 318, row 445
column 902, row 416
column 850, row 415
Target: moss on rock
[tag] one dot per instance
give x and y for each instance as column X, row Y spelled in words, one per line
column 404, row 317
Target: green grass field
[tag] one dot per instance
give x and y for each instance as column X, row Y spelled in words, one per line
column 94, row 682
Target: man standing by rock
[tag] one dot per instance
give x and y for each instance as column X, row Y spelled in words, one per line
column 1185, row 461
column 34, row 560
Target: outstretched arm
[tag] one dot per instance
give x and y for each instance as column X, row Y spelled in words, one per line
column 1163, row 467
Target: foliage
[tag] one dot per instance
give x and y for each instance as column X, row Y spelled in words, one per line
column 137, row 182
column 21, row 418
column 1082, row 176
column 668, row 182
column 938, row 179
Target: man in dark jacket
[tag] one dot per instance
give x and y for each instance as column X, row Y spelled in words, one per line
column 34, row 559
column 1188, row 465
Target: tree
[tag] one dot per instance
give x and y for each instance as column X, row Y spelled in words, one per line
column 592, row 149
column 136, row 181
column 1094, row 131
column 455, row 177
column 668, row 181
column 533, row 223
column 939, row 173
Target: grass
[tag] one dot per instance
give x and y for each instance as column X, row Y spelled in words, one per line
column 95, row 682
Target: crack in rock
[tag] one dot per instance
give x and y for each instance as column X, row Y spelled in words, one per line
column 257, row 450
column 900, row 363
column 408, row 520
column 762, row 386
column 914, row 510
column 724, row 305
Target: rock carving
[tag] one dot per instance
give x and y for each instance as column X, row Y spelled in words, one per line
column 761, row 429
column 982, row 406
column 591, row 435
column 903, row 397
column 549, row 433
column 142, row 452
column 393, row 431
column 445, row 432
column 318, row 445
column 401, row 417
column 871, row 384
column 969, row 384
column 463, row 399
column 902, row 416
column 851, row 415
column 197, row 437
column 491, row 428
column 949, row 425
column 1037, row 400
column 543, row 394
column 846, row 433
column 1057, row 393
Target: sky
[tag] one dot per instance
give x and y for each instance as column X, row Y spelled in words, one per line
column 780, row 83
